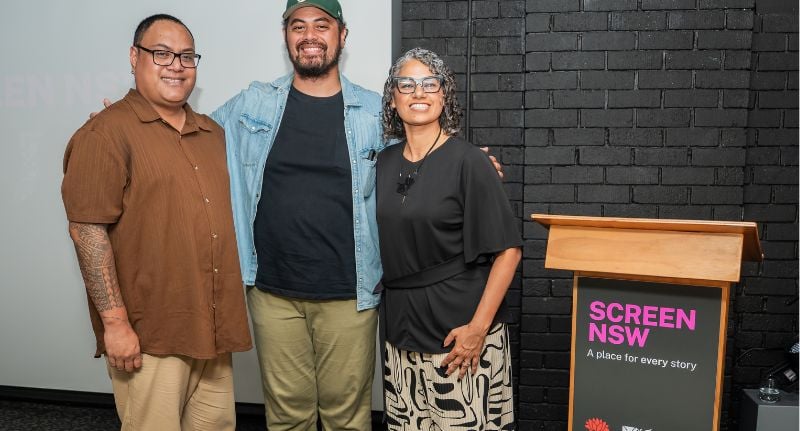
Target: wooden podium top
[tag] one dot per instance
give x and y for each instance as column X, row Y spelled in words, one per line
column 676, row 249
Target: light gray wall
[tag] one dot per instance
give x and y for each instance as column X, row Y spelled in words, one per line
column 60, row 58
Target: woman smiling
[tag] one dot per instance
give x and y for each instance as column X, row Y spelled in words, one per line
column 449, row 249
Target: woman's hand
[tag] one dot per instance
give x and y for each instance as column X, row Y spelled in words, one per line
column 471, row 337
column 467, row 350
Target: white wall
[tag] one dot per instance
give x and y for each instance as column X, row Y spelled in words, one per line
column 59, row 59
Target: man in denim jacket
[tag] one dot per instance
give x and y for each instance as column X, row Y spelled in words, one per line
column 301, row 153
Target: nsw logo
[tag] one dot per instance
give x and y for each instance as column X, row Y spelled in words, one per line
column 596, row 424
column 630, row 428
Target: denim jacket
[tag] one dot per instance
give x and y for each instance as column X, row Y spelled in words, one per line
column 251, row 120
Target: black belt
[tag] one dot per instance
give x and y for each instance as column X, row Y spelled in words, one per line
column 430, row 275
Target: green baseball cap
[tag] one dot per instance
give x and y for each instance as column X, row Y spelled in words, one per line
column 331, row 7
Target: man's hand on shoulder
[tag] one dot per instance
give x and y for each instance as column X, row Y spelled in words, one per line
column 106, row 104
column 496, row 164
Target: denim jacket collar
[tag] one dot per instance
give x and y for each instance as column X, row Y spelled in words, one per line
column 349, row 94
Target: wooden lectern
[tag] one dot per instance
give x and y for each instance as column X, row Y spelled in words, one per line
column 649, row 317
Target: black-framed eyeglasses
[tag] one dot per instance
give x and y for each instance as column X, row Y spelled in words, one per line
column 162, row 57
column 407, row 84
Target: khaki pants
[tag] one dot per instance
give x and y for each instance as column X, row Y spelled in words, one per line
column 174, row 393
column 315, row 356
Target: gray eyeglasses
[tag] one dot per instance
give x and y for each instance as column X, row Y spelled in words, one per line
column 407, row 85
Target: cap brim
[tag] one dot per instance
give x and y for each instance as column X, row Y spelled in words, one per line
column 291, row 10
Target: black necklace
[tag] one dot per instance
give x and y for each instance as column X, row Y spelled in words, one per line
column 403, row 184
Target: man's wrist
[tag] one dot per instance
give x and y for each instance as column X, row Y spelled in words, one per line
column 115, row 321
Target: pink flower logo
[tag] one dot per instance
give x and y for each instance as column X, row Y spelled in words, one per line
column 595, row 424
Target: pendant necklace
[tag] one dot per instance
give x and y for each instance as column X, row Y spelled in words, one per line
column 403, row 184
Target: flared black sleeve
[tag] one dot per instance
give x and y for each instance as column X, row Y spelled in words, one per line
column 489, row 223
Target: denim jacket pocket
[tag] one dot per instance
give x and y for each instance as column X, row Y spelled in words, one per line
column 368, row 158
column 255, row 134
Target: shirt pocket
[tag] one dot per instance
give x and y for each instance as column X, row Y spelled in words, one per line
column 255, row 134
column 367, row 159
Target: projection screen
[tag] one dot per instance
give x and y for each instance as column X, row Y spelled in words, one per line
column 61, row 58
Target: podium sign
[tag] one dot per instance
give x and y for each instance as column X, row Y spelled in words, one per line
column 649, row 315
column 641, row 356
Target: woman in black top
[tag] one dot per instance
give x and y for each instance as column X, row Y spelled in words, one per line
column 449, row 248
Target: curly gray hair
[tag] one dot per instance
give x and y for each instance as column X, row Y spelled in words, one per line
column 450, row 118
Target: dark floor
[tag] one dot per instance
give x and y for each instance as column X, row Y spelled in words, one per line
column 29, row 416
column 33, row 416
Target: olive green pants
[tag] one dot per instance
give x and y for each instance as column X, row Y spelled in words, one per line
column 317, row 360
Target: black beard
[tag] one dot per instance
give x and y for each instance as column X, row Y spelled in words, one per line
column 315, row 71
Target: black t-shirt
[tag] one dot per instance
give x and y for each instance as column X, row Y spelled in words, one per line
column 437, row 243
column 303, row 230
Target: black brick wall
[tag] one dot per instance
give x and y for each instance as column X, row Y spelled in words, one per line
column 633, row 108
column 764, row 311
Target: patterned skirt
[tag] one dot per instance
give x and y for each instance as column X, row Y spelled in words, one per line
column 420, row 397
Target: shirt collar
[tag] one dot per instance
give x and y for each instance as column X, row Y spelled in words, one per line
column 147, row 114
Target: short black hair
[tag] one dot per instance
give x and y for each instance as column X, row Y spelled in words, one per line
column 150, row 20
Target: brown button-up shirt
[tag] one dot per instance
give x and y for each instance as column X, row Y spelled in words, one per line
column 165, row 197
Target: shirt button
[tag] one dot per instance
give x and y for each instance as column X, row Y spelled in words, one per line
column 216, row 271
column 214, row 235
column 207, row 201
column 196, row 168
column 253, row 129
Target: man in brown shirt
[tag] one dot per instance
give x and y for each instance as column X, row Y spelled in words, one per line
column 146, row 192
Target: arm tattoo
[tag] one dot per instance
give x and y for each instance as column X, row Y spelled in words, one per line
column 96, row 260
